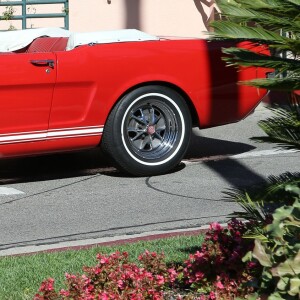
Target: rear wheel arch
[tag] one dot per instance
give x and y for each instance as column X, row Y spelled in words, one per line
column 176, row 88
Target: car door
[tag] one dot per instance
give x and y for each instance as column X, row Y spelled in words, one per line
column 26, row 88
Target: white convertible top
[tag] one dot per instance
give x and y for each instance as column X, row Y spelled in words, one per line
column 106, row 37
column 18, row 39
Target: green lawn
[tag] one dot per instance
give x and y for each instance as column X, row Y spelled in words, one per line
column 20, row 276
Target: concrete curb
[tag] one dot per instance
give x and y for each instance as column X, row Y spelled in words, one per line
column 106, row 241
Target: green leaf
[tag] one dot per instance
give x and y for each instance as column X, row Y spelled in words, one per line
column 294, row 286
column 276, row 296
column 294, row 189
column 247, row 257
column 289, row 267
column 259, row 252
column 283, row 283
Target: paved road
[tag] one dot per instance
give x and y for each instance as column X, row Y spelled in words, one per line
column 78, row 196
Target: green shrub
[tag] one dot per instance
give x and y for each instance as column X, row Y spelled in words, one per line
column 278, row 251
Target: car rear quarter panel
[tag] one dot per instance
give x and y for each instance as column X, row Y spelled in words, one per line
column 90, row 79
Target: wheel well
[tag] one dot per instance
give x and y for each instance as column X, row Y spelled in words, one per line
column 192, row 109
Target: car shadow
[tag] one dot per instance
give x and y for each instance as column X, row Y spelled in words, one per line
column 92, row 162
column 202, row 147
column 54, row 166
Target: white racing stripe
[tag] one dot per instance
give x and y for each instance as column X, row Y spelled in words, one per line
column 22, row 137
column 6, row 191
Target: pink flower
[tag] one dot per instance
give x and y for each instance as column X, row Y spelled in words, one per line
column 104, row 260
column 64, row 293
column 252, row 264
column 216, row 226
column 198, row 254
column 160, row 279
column 173, row 275
column 121, row 284
column 104, row 296
column 149, row 275
column 219, row 285
column 199, row 275
column 47, row 285
column 70, row 276
column 89, row 288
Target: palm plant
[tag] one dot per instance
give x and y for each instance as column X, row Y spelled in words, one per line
column 268, row 19
column 263, row 22
column 275, row 23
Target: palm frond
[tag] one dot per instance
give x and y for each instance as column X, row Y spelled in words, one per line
column 277, row 84
column 267, row 4
column 284, row 127
column 272, row 19
column 279, row 183
column 269, row 192
column 252, row 210
column 245, row 57
column 230, row 30
column 296, row 2
column 275, row 7
column 292, row 45
column 262, row 200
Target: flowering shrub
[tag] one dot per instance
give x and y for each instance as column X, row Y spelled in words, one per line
column 217, row 268
column 215, row 272
column 114, row 277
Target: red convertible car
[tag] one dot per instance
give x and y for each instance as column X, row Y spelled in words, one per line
column 135, row 95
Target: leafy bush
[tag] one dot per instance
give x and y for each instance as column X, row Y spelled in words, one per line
column 225, row 267
column 278, row 251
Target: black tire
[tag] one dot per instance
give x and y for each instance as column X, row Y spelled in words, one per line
column 148, row 131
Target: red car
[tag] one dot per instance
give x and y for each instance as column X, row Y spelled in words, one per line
column 135, row 95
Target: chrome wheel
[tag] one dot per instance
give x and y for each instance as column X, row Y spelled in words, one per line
column 151, row 129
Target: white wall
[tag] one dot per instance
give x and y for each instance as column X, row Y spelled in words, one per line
column 160, row 17
column 167, row 17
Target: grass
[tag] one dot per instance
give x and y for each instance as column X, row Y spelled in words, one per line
column 21, row 276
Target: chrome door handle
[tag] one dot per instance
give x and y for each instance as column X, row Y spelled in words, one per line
column 43, row 62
